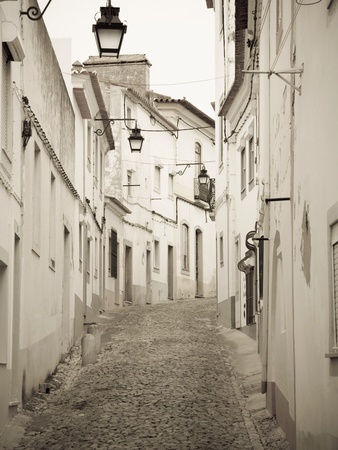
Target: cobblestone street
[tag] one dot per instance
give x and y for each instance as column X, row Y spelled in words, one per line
column 164, row 379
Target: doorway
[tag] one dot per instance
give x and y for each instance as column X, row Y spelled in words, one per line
column 199, row 263
column 65, row 339
column 128, row 276
column 170, row 272
column 148, row 278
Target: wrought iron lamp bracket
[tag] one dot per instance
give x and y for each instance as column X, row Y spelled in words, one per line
column 101, row 132
column 187, row 166
column 33, row 12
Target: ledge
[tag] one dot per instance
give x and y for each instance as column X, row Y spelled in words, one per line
column 331, row 355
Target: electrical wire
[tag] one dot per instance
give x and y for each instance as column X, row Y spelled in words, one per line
column 142, row 85
column 307, row 4
column 285, row 38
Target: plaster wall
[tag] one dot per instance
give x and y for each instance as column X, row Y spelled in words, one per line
column 313, row 202
column 297, row 302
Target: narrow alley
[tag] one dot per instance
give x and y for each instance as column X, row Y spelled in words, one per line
column 167, row 377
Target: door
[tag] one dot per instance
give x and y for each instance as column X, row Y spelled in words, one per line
column 199, row 264
column 250, row 317
column 128, row 276
column 170, row 272
column 65, row 343
column 148, row 278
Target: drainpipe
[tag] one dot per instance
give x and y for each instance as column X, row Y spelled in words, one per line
column 266, row 228
column 292, row 178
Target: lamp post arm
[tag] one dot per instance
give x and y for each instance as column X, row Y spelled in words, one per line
column 181, row 172
column 101, row 132
column 33, row 12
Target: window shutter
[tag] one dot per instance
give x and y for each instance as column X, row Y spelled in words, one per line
column 4, row 97
column 113, row 256
column 335, row 282
column 261, row 267
column 250, row 315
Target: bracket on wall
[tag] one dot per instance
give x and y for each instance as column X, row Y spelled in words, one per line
column 279, row 74
column 277, row 199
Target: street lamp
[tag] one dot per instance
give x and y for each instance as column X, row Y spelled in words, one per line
column 203, row 177
column 136, row 140
column 109, row 31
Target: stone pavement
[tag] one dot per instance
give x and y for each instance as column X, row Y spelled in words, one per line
column 167, row 377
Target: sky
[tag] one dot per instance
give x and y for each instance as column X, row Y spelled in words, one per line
column 177, row 36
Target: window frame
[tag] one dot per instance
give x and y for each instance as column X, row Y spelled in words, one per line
column 113, row 254
column 157, row 179
column 333, row 346
column 251, row 157
column 243, row 169
column 157, row 255
column 171, row 185
column 221, row 249
column 332, row 238
column 185, row 247
column 37, row 200
column 6, row 146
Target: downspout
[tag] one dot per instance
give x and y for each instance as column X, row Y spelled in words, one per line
column 292, row 186
column 266, row 226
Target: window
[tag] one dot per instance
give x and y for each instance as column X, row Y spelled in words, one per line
column 36, row 200
column 52, row 220
column 243, row 170
column 96, row 249
column 113, row 247
column 156, row 254
column 96, row 160
column 198, row 158
column 221, row 139
column 185, row 247
column 279, row 23
column 171, row 186
column 101, row 171
column 6, row 152
column 221, row 249
column 129, row 181
column 334, row 252
column 251, row 152
column 80, row 247
column 89, row 145
column 88, row 260
column 157, row 179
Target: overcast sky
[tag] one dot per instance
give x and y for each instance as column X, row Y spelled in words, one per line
column 177, row 36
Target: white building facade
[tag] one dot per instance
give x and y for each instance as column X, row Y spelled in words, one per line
column 166, row 234
column 289, row 74
column 51, row 240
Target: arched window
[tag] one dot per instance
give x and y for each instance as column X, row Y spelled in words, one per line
column 198, row 158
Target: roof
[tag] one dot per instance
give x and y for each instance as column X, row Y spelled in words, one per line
column 82, row 100
column 142, row 95
column 190, row 107
column 122, row 59
column 102, row 108
column 116, row 205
